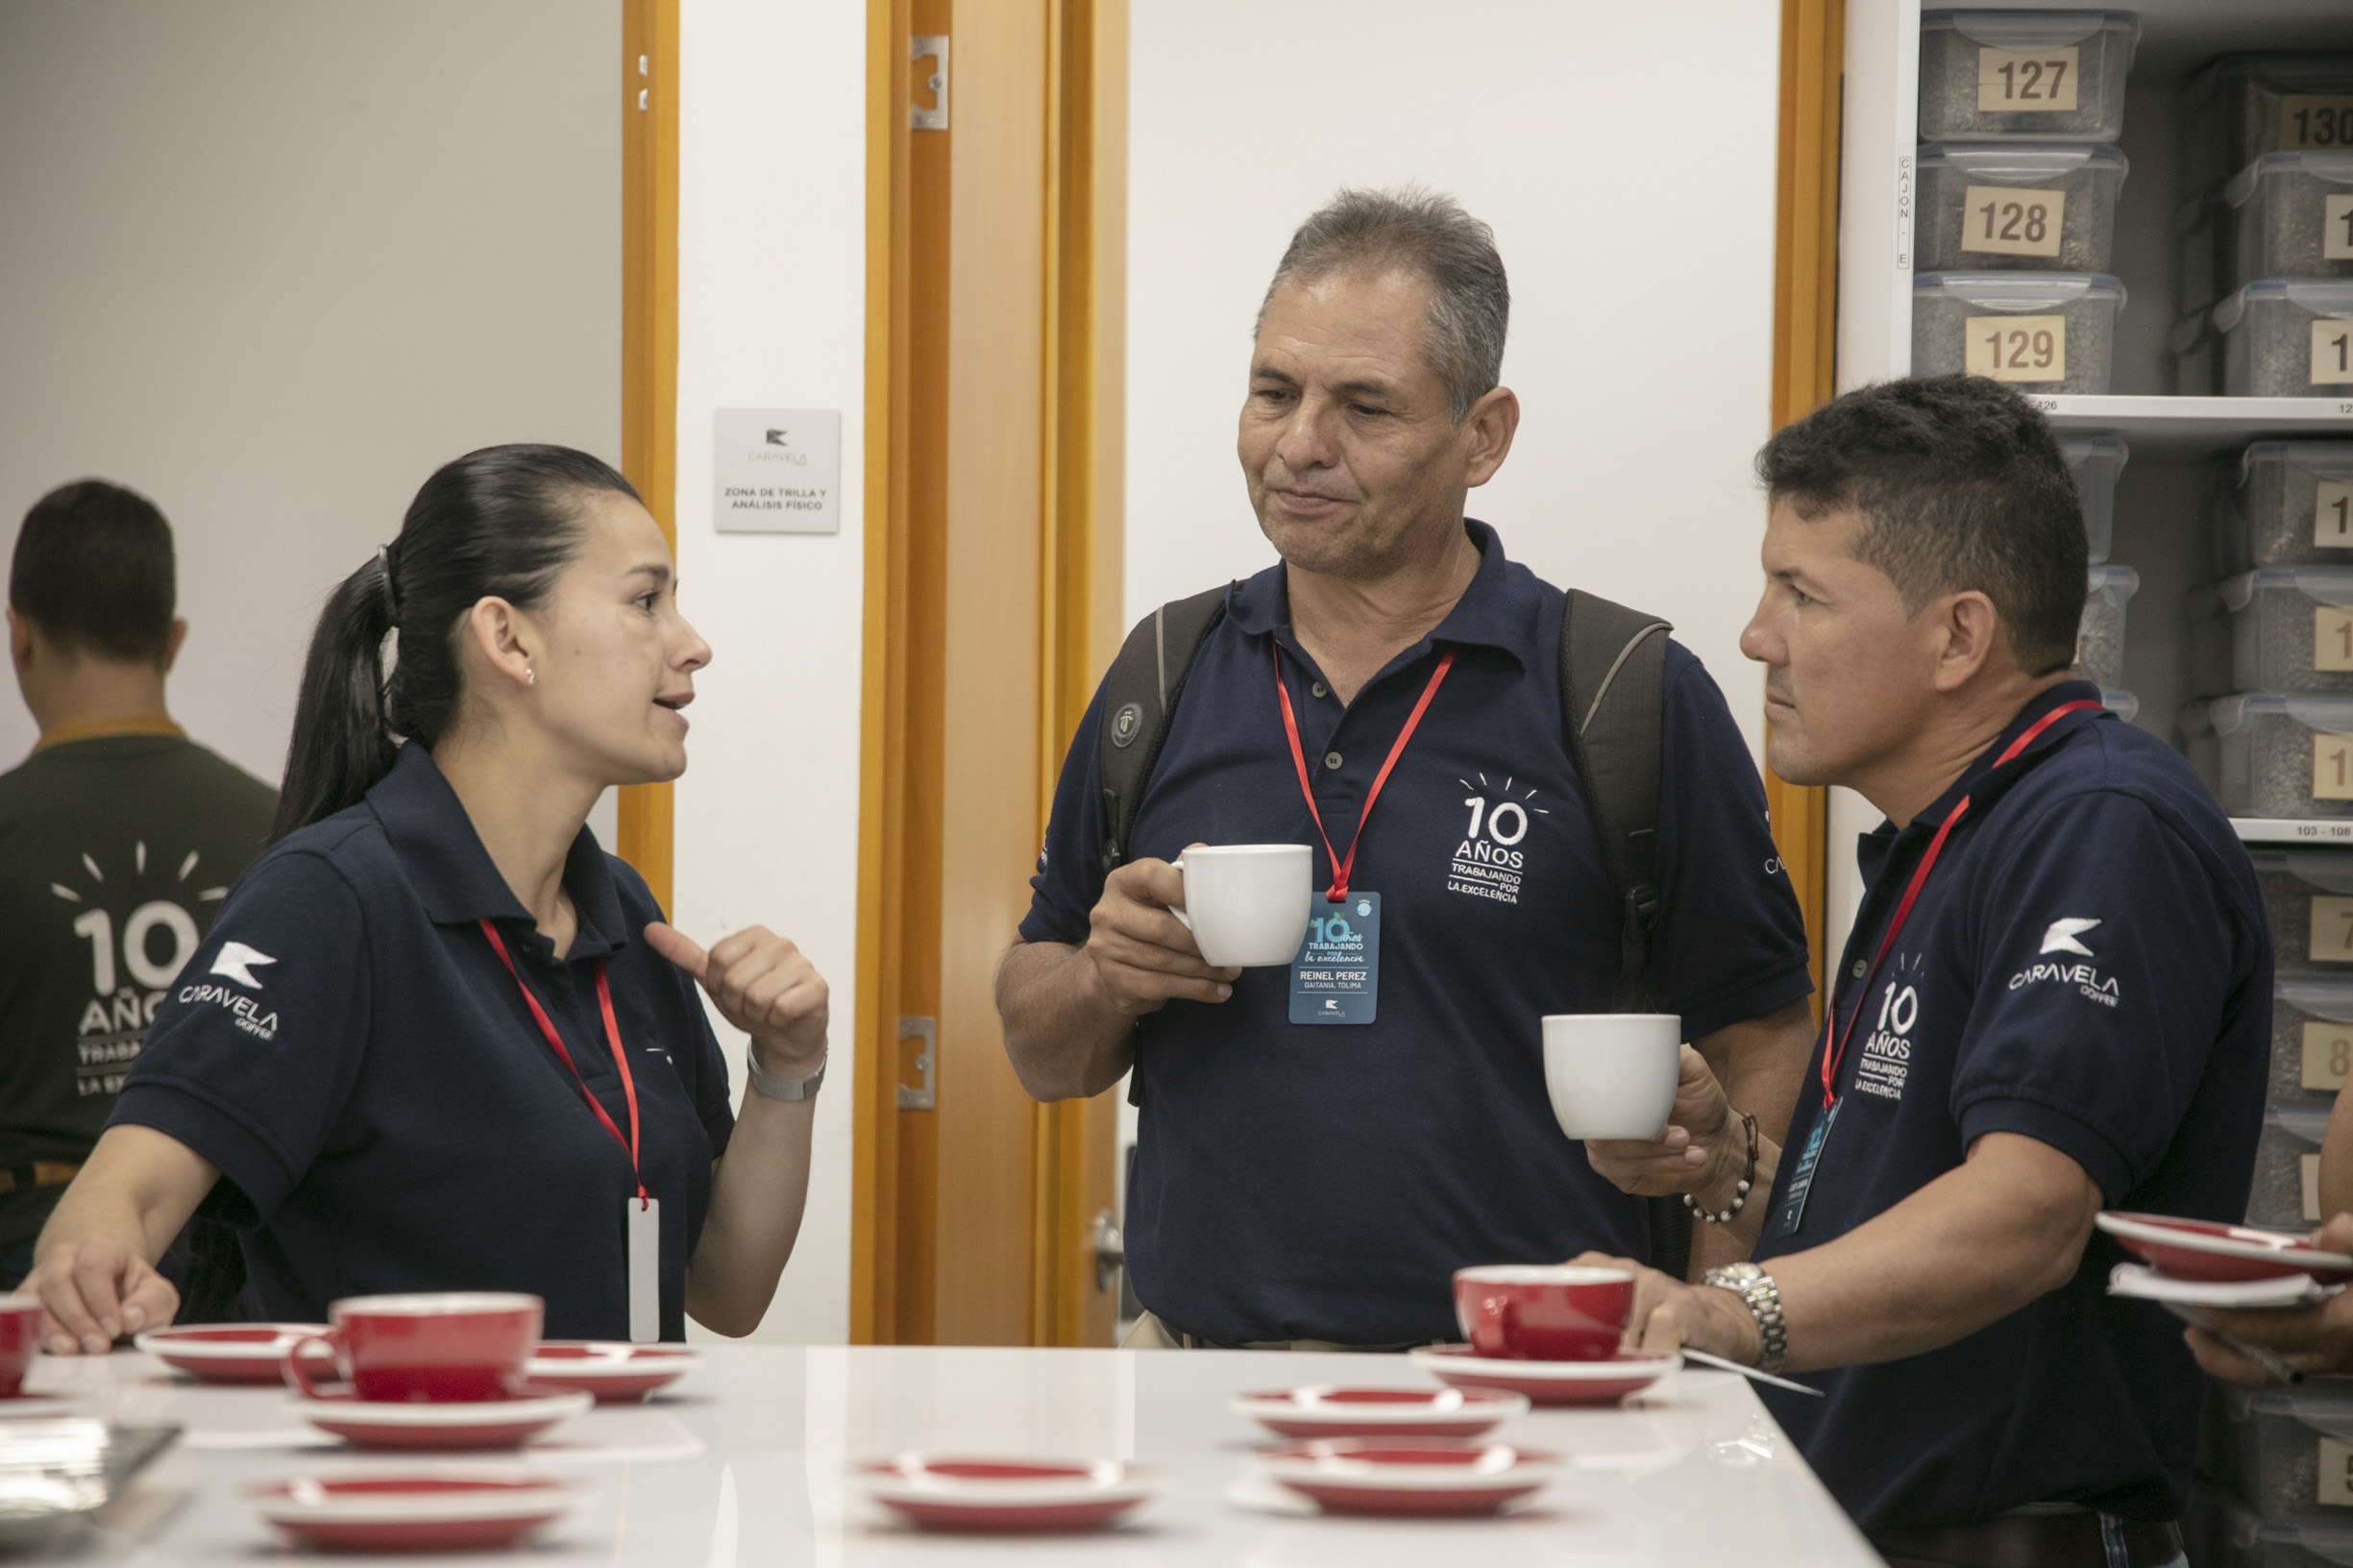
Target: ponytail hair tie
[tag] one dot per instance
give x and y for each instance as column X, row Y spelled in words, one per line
column 392, row 595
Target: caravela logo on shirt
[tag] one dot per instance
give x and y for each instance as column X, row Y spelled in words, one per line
column 1489, row 863
column 2064, row 936
column 237, row 962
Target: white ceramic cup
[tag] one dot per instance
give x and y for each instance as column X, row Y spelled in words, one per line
column 1246, row 904
column 1613, row 1074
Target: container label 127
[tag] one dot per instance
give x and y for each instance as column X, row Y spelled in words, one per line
column 2331, row 351
column 2015, row 347
column 2331, row 514
column 2002, row 220
column 2307, row 122
column 2026, row 81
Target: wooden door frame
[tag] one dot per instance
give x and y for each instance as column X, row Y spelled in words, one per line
column 1805, row 343
column 650, row 346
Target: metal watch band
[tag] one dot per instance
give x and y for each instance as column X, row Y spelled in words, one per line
column 1763, row 1298
column 772, row 1086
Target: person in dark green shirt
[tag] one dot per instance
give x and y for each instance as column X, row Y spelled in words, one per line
column 119, row 836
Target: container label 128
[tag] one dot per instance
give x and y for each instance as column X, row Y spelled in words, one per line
column 2331, row 514
column 2328, row 1047
column 2026, row 81
column 2332, row 767
column 2015, row 347
column 2331, row 351
column 2308, row 122
column 2002, row 220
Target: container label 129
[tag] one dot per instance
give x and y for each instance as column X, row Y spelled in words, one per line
column 2002, row 220
column 2331, row 351
column 2332, row 767
column 2015, row 347
column 2328, row 1047
column 2337, row 228
column 2026, row 81
column 2331, row 514
column 2308, row 122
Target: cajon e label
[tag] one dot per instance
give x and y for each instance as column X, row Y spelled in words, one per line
column 2002, row 220
column 2026, row 81
column 2332, row 767
column 2328, row 1049
column 2331, row 514
column 2332, row 638
column 2017, row 348
column 2336, row 1488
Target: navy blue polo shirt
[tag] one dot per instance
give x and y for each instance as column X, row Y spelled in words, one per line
column 351, row 1053
column 2089, row 966
column 1324, row 1182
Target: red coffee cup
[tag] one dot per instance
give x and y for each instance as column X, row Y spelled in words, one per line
column 20, row 1336
column 1543, row 1312
column 441, row 1346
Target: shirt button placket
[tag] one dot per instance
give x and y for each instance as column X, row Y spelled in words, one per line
column 1331, row 760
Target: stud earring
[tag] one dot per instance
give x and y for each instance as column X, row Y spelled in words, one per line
column 530, row 677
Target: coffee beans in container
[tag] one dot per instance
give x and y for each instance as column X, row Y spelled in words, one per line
column 2312, row 1004
column 2094, row 458
column 2041, row 332
column 2277, row 629
column 2099, row 637
column 2038, row 75
column 2030, row 207
column 2288, row 339
column 2275, row 753
column 2289, row 215
column 2287, row 504
column 2238, row 107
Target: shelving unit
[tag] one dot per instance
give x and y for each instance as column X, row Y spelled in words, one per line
column 2161, row 529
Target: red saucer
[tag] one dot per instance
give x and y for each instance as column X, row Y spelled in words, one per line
column 1427, row 1477
column 228, row 1352
column 1547, row 1382
column 1322, row 1410
column 1004, row 1495
column 414, row 1511
column 614, row 1371
column 2203, row 1249
column 452, row 1423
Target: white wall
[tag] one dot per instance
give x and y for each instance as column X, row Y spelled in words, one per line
column 272, row 262
column 772, row 293
column 1626, row 162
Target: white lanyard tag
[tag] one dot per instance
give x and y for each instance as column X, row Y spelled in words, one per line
column 643, row 1220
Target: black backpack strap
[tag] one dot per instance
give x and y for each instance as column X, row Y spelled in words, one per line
column 1612, row 669
column 1140, row 696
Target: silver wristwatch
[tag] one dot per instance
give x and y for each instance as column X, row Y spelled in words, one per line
column 1763, row 1298
column 773, row 1087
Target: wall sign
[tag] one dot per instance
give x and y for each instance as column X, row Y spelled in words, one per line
column 777, row 471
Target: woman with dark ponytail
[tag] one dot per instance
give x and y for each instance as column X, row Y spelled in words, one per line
column 436, row 1038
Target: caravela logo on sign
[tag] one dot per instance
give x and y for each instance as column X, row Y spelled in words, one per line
column 1489, row 862
column 2063, row 936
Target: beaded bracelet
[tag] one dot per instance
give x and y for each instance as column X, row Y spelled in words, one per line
column 1740, row 1192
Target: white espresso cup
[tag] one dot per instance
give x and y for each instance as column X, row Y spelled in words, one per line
column 1613, row 1074
column 1246, row 904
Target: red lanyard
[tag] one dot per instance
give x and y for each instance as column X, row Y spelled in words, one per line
column 612, row 1037
column 1911, row 891
column 1299, row 760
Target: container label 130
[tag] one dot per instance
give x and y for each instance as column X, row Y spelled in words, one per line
column 2309, row 121
column 2015, row 347
column 2026, row 81
column 2002, row 220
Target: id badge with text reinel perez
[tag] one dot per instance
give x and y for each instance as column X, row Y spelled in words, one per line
column 1336, row 978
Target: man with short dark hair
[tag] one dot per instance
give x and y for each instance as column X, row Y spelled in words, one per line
column 2056, row 999
column 1300, row 1182
column 118, row 836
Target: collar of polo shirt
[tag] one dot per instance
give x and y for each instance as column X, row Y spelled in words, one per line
column 1484, row 617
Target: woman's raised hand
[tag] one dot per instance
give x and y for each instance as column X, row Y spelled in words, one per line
column 764, row 985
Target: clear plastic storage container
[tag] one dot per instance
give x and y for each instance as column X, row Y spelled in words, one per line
column 2290, row 1446
column 2275, row 753
column 2094, row 458
column 2240, row 107
column 2312, row 1008
column 2123, row 704
column 2193, row 346
column 2287, row 1192
column 2100, row 636
column 2037, row 75
column 2290, row 216
column 2201, row 239
column 2287, row 503
column 2040, row 207
column 2277, row 629
column 2287, row 338
column 2045, row 332
column 2222, row 1533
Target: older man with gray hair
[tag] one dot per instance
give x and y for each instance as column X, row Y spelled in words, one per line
column 1316, row 1157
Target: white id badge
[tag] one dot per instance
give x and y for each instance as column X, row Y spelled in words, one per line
column 643, row 1227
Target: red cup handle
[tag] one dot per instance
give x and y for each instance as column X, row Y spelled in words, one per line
column 296, row 1377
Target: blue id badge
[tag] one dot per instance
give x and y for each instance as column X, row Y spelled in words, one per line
column 1336, row 977
column 1793, row 1204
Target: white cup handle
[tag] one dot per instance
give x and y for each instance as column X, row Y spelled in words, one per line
column 1188, row 924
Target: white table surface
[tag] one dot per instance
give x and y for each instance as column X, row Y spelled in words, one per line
column 742, row 1463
